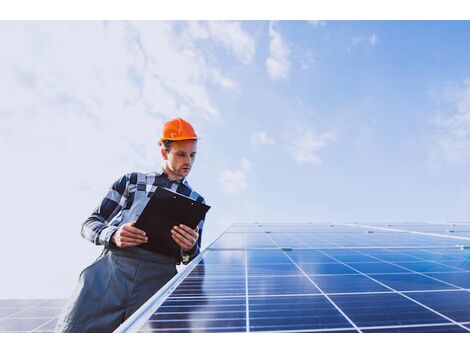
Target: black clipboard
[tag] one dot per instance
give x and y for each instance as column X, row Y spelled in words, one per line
column 164, row 210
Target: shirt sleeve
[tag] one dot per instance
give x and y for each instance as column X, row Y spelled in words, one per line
column 96, row 228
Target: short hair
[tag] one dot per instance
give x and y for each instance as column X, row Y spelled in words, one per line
column 167, row 145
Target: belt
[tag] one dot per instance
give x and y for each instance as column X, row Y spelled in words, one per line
column 143, row 254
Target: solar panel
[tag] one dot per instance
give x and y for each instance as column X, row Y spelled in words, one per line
column 35, row 315
column 407, row 277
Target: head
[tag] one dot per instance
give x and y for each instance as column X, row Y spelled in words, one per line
column 178, row 147
column 179, row 157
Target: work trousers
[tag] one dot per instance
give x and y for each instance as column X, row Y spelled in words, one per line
column 113, row 288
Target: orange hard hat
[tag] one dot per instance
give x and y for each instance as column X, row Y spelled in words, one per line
column 177, row 130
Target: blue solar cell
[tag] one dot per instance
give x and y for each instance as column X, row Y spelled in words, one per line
column 198, row 315
column 280, row 285
column 464, row 265
column 359, row 268
column 309, row 256
column 461, row 279
column 294, row 313
column 425, row 267
column 326, row 268
column 349, row 256
column 214, row 270
column 225, row 258
column 378, row 268
column 396, row 257
column 347, row 283
column 453, row 304
column 272, row 257
column 221, row 286
column 420, row 329
column 409, row 282
column 386, row 309
column 430, row 256
column 273, row 269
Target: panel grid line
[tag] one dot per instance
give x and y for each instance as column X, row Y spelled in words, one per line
column 414, row 272
column 323, row 293
column 401, row 294
column 398, row 292
column 244, row 285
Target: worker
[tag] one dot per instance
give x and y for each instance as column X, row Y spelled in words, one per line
column 126, row 276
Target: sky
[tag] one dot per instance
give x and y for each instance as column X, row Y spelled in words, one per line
column 300, row 121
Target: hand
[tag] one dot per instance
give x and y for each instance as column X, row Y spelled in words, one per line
column 185, row 236
column 129, row 236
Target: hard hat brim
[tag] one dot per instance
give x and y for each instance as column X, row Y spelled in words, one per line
column 178, row 139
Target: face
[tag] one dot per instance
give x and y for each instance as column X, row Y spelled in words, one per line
column 179, row 160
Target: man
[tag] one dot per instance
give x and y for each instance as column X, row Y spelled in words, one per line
column 125, row 276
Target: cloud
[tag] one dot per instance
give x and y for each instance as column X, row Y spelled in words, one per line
column 261, row 138
column 234, row 181
column 222, row 80
column 108, row 80
column 81, row 105
column 317, row 23
column 306, row 145
column 277, row 64
column 307, row 60
column 371, row 39
column 229, row 34
column 451, row 125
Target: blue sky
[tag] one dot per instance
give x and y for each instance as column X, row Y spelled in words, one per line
column 300, row 121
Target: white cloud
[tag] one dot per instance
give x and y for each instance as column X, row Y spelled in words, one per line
column 317, row 23
column 277, row 64
column 371, row 39
column 451, row 126
column 306, row 145
column 261, row 138
column 235, row 181
column 307, row 60
column 230, row 34
column 81, row 105
column 222, row 80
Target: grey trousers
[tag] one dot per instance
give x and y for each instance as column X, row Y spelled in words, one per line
column 113, row 288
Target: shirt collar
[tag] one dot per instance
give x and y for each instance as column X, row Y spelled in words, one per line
column 165, row 175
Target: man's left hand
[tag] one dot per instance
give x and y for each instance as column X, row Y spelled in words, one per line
column 185, row 236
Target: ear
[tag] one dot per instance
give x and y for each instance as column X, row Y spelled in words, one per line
column 164, row 153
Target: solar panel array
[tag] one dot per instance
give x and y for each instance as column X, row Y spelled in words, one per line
column 24, row 315
column 404, row 277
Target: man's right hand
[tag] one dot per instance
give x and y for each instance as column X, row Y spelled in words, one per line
column 129, row 236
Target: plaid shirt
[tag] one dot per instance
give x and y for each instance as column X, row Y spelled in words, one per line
column 106, row 218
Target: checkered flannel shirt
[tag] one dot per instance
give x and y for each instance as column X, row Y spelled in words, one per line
column 106, row 218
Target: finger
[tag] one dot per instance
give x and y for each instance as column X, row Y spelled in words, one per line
column 186, row 228
column 185, row 238
column 134, row 229
column 182, row 245
column 187, row 242
column 178, row 242
column 125, row 240
column 128, row 234
column 132, row 240
column 126, row 245
column 188, row 233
